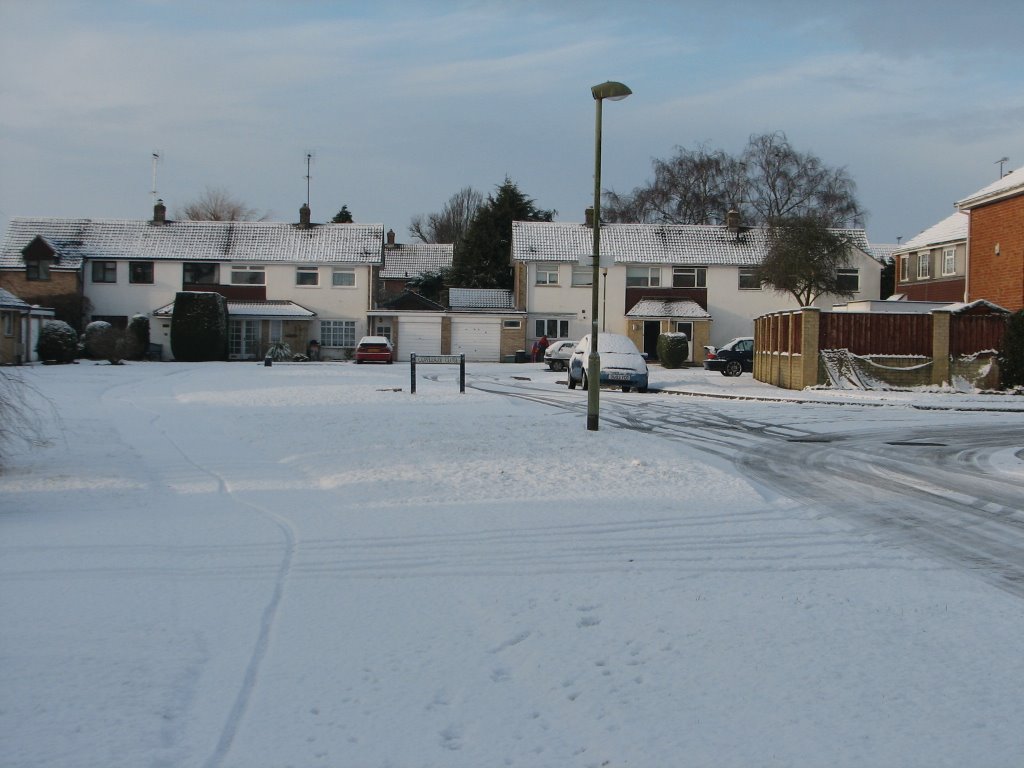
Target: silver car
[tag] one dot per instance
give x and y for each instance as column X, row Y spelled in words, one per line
column 557, row 355
column 622, row 364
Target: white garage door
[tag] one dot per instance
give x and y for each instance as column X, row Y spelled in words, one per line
column 420, row 336
column 479, row 339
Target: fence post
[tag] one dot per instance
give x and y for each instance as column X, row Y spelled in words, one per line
column 940, row 346
column 810, row 318
column 412, row 373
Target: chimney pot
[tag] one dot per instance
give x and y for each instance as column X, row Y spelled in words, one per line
column 304, row 215
column 159, row 212
column 732, row 221
column 588, row 216
column 391, row 237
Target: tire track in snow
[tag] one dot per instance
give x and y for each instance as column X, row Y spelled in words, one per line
column 270, row 612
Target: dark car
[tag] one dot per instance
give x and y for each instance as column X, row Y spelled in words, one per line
column 731, row 359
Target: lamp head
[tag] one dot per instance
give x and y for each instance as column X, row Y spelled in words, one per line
column 611, row 90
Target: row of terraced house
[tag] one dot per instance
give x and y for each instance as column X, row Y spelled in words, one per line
column 302, row 282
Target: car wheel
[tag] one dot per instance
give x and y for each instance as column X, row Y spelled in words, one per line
column 642, row 390
column 572, row 382
column 625, row 388
column 557, row 365
column 586, row 383
column 390, row 361
column 359, row 362
column 733, row 368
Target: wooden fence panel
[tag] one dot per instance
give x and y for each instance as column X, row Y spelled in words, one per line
column 876, row 334
column 975, row 333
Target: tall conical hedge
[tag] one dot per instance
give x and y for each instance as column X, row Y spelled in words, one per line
column 199, row 327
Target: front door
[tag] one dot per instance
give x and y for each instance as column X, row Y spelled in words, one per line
column 652, row 330
column 244, row 339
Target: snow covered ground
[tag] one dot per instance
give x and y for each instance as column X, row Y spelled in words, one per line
column 305, row 565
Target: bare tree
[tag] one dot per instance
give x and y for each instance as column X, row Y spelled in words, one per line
column 452, row 222
column 784, row 183
column 21, row 412
column 804, row 258
column 768, row 181
column 216, row 204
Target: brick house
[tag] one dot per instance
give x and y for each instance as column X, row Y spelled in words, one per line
column 996, row 241
column 405, row 261
column 932, row 266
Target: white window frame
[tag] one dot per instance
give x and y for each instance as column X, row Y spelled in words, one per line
column 850, row 272
column 8, row 323
column 552, row 327
column 904, row 267
column 948, row 261
column 582, row 277
column 924, row 265
column 547, row 274
column 643, row 277
column 699, row 275
column 276, row 331
column 307, row 272
column 383, row 330
column 751, row 276
column 343, row 271
column 511, row 323
column 684, row 326
column 334, row 331
column 257, row 271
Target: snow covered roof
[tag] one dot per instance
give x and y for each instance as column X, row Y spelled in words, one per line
column 253, row 241
column 951, row 229
column 480, row 298
column 1010, row 185
column 9, row 301
column 412, row 260
column 675, row 308
column 883, row 251
column 960, row 308
column 685, row 244
column 277, row 309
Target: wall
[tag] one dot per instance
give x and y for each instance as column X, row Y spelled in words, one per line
column 998, row 277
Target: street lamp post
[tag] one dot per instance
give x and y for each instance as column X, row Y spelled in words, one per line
column 613, row 92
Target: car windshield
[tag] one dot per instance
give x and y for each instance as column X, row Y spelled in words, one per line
column 613, row 343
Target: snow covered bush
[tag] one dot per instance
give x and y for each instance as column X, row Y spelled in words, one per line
column 1011, row 355
column 199, row 327
column 58, row 342
column 673, row 350
column 102, row 341
column 136, row 338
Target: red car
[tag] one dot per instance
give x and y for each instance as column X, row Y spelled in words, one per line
column 374, row 349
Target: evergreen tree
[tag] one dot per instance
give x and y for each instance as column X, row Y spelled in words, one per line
column 344, row 216
column 1011, row 354
column 483, row 258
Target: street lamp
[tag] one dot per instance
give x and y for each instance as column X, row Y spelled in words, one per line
column 613, row 92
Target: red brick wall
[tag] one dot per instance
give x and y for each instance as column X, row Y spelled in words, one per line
column 933, row 290
column 999, row 279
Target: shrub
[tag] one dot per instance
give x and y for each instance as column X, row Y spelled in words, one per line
column 673, row 350
column 279, row 350
column 102, row 341
column 136, row 338
column 1011, row 355
column 199, row 327
column 58, row 342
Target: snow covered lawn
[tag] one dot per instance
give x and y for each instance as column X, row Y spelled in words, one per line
column 231, row 565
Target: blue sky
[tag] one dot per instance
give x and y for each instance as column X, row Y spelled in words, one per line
column 404, row 103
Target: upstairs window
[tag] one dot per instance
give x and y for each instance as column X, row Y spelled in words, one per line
column 748, row 280
column 689, row 277
column 307, row 276
column 848, row 280
column 200, row 273
column 104, row 271
column 140, row 272
column 248, row 275
column 37, row 269
column 582, row 277
column 949, row 261
column 547, row 274
column 343, row 278
column 924, row 265
column 904, row 267
column 643, row 277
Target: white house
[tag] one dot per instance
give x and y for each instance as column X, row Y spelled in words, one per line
column 655, row 278
column 288, row 282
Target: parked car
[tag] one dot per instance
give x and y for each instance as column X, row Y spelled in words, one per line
column 374, row 349
column 731, row 359
column 622, row 365
column 557, row 355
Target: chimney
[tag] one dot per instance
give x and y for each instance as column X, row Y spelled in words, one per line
column 159, row 212
column 391, row 237
column 588, row 216
column 304, row 214
column 732, row 221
